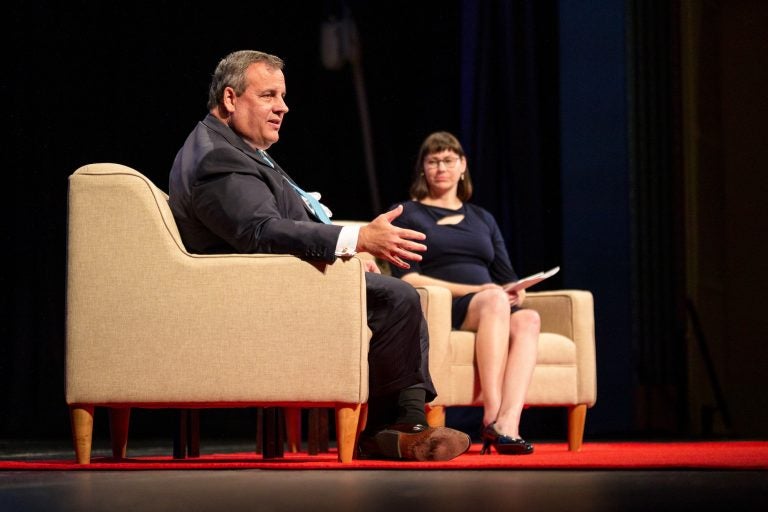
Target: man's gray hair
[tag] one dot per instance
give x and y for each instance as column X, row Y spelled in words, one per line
column 230, row 72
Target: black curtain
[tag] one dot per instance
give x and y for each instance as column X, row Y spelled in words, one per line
column 510, row 132
column 509, row 124
column 125, row 82
column 658, row 270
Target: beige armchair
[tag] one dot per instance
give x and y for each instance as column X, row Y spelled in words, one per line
column 565, row 373
column 150, row 325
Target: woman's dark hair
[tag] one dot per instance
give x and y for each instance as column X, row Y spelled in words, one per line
column 435, row 143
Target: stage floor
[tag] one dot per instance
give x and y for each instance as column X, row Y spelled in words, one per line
column 368, row 490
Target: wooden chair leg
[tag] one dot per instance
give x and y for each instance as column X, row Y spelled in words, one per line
column 180, row 439
column 118, row 430
column 81, row 417
column 293, row 428
column 436, row 415
column 274, row 433
column 317, row 430
column 313, row 431
column 322, row 430
column 363, row 419
column 259, row 429
column 347, row 430
column 193, row 433
column 186, row 436
column 577, row 416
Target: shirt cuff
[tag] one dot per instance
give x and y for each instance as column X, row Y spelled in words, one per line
column 346, row 245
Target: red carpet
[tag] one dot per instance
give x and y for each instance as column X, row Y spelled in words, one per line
column 596, row 455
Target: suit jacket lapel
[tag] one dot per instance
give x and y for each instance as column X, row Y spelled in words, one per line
column 236, row 141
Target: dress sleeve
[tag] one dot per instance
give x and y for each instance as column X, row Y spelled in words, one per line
column 500, row 268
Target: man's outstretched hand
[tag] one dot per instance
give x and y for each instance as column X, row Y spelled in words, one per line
column 389, row 242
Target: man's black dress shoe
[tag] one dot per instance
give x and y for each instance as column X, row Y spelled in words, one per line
column 413, row 442
column 504, row 445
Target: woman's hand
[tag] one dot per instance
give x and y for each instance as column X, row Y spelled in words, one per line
column 371, row 266
column 516, row 298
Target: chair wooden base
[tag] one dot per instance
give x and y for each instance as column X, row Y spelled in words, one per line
column 317, row 431
column 577, row 416
column 435, row 416
column 350, row 420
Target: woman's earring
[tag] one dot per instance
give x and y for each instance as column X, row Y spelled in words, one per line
column 462, row 176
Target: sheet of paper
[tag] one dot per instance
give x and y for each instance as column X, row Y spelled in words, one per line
column 531, row 280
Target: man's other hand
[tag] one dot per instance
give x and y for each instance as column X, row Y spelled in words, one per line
column 389, row 242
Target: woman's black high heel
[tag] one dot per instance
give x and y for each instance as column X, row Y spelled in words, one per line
column 504, row 445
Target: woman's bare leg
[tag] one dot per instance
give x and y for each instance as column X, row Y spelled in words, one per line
column 488, row 316
column 525, row 326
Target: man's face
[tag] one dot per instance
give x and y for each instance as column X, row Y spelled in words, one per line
column 256, row 115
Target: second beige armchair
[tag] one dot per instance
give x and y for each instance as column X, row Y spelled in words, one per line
column 565, row 373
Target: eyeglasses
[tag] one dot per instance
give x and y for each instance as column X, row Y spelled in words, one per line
column 449, row 162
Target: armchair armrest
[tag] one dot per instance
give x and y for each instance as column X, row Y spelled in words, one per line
column 570, row 313
column 436, row 306
column 219, row 329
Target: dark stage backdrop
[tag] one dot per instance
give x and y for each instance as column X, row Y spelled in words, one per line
column 125, row 82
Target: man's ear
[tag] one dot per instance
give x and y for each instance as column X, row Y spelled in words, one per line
column 229, row 99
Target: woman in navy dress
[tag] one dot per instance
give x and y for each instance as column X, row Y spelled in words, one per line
column 467, row 254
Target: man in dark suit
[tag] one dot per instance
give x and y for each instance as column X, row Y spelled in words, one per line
column 228, row 195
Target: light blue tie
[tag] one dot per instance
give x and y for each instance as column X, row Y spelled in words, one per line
column 317, row 208
column 266, row 158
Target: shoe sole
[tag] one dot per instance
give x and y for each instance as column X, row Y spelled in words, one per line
column 435, row 444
